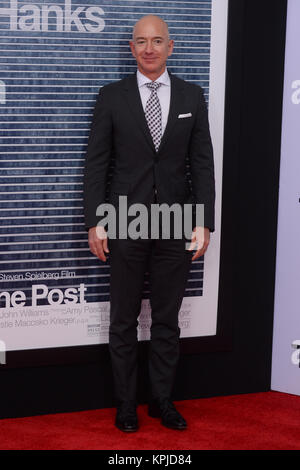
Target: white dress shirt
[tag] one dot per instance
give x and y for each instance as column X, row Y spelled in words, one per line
column 163, row 93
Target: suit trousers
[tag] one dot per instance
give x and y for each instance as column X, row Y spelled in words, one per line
column 168, row 263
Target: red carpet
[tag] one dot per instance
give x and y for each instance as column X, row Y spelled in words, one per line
column 260, row 421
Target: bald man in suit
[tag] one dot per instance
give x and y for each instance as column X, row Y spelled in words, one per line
column 151, row 122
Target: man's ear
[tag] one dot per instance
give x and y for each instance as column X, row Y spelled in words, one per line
column 131, row 44
column 170, row 46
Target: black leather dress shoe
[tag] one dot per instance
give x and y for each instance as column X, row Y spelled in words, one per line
column 126, row 418
column 170, row 417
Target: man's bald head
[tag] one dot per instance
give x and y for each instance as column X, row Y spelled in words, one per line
column 150, row 20
column 151, row 45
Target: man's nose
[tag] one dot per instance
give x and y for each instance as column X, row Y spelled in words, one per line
column 149, row 47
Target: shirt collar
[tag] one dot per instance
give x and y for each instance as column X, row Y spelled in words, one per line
column 164, row 79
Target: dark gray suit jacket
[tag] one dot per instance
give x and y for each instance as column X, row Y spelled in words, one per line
column 182, row 170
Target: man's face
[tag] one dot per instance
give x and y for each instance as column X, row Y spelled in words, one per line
column 151, row 46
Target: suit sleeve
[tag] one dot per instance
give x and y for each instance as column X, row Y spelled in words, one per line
column 97, row 160
column 202, row 164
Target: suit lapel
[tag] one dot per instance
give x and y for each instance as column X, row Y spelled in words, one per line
column 134, row 101
column 176, row 102
column 135, row 104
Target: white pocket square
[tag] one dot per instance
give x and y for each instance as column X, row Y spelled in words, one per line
column 182, row 116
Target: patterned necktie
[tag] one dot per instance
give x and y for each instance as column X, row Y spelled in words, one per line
column 153, row 114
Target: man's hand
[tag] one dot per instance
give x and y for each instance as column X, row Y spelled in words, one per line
column 200, row 241
column 98, row 242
